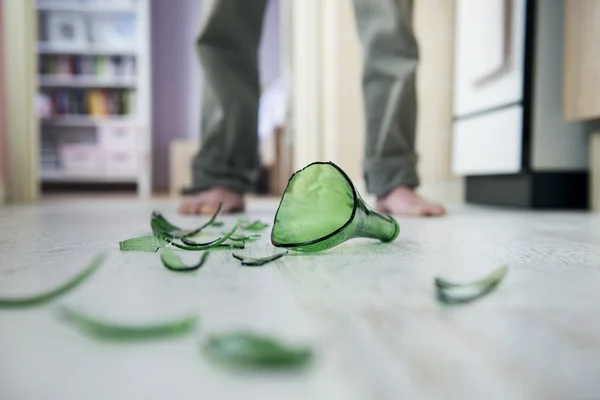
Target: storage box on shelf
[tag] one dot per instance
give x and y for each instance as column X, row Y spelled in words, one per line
column 117, row 136
column 121, row 163
column 80, row 159
column 119, row 144
column 99, row 153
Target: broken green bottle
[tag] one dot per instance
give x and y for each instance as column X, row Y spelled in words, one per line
column 321, row 209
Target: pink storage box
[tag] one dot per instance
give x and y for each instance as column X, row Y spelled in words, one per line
column 121, row 163
column 81, row 158
column 118, row 137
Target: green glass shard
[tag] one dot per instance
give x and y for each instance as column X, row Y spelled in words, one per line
column 160, row 226
column 145, row 243
column 458, row 293
column 321, row 209
column 245, row 238
column 253, row 226
column 173, row 262
column 233, row 244
column 95, row 327
column 191, row 242
column 257, row 262
column 60, row 290
column 212, row 244
column 252, row 351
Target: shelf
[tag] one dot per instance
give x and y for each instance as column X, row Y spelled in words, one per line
column 61, row 177
column 112, row 36
column 85, row 81
column 91, row 49
column 84, row 121
column 91, row 8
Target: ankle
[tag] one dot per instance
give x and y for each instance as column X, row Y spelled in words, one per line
column 221, row 189
column 398, row 191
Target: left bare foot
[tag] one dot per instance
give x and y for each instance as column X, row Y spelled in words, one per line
column 404, row 201
column 207, row 202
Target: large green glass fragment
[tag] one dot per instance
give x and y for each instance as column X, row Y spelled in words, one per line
column 321, row 209
column 247, row 350
column 111, row 331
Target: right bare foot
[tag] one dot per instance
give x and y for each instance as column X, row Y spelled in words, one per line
column 405, row 201
column 208, row 201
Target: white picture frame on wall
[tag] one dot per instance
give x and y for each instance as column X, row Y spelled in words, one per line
column 67, row 29
column 115, row 31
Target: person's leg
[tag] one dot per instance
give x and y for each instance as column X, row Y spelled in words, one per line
column 227, row 164
column 391, row 57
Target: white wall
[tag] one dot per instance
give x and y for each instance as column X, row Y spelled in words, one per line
column 3, row 127
column 434, row 27
column 177, row 78
column 22, row 131
column 270, row 48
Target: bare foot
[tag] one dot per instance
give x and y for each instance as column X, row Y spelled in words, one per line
column 404, row 201
column 208, row 201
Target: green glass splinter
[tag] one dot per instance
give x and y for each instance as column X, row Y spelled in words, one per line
column 321, row 209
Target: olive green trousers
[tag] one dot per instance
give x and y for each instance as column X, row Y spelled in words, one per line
column 228, row 49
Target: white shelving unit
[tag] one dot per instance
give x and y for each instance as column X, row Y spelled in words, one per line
column 95, row 92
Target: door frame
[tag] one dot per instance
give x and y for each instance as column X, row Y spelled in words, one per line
column 302, row 40
column 20, row 77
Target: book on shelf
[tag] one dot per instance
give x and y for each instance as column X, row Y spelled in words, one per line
column 86, row 102
column 85, row 65
column 97, row 102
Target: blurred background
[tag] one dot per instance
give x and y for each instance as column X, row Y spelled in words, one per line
column 102, row 98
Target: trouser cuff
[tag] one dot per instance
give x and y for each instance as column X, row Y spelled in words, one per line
column 384, row 175
column 205, row 178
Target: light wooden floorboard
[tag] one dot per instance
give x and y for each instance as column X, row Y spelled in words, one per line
column 367, row 308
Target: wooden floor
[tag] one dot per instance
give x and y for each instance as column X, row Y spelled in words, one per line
column 368, row 309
